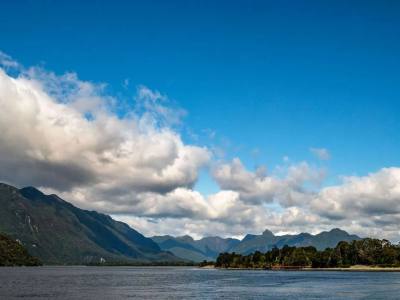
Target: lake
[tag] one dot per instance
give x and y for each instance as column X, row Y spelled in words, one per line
column 192, row 283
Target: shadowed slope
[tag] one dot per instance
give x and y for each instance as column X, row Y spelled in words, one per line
column 59, row 233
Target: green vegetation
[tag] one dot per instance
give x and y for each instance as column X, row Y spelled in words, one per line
column 368, row 252
column 59, row 233
column 13, row 253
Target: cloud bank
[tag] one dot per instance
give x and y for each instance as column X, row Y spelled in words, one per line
column 68, row 137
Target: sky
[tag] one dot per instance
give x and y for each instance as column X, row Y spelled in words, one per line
column 207, row 117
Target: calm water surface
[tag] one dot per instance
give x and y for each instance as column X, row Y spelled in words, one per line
column 192, row 283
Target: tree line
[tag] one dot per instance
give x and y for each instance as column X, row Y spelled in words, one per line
column 369, row 252
column 13, row 253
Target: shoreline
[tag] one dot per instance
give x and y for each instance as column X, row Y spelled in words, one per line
column 309, row 269
column 357, row 268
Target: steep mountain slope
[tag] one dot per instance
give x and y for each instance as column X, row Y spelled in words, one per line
column 57, row 232
column 13, row 253
column 186, row 247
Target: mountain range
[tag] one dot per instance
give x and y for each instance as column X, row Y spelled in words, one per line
column 185, row 247
column 208, row 248
column 58, row 232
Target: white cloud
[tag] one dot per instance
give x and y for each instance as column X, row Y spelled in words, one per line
column 368, row 205
column 151, row 105
column 64, row 135
column 258, row 187
column 321, row 153
column 377, row 194
column 7, row 62
column 49, row 140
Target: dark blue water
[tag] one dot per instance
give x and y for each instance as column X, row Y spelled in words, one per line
column 192, row 283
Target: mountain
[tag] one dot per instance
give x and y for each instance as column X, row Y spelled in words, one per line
column 12, row 253
column 57, row 232
column 186, row 247
column 208, row 248
column 267, row 240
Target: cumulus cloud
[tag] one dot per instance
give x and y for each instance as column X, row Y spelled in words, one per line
column 321, row 153
column 367, row 205
column 223, row 206
column 62, row 135
column 376, row 194
column 259, row 187
column 232, row 223
column 66, row 136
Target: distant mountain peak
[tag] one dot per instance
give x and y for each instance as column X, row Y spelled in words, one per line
column 337, row 230
column 267, row 232
column 249, row 237
column 209, row 247
column 303, row 234
column 186, row 238
column 31, row 192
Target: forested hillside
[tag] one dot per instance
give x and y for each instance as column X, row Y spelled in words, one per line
column 369, row 252
column 13, row 253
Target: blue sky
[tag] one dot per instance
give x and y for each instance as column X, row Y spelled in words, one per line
column 268, row 79
column 279, row 77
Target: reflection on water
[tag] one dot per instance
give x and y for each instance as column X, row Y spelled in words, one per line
column 183, row 283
